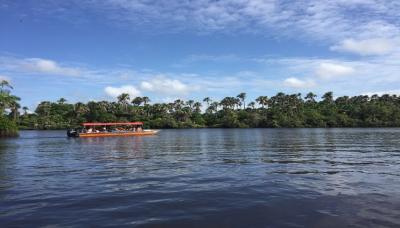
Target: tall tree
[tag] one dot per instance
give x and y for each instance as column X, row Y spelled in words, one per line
column 190, row 103
column 123, row 99
column 137, row 101
column 207, row 100
column 328, row 98
column 262, row 100
column 145, row 100
column 62, row 100
column 310, row 97
column 242, row 97
column 252, row 105
column 25, row 109
column 197, row 107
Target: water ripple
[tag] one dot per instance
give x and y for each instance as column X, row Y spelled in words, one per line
column 203, row 178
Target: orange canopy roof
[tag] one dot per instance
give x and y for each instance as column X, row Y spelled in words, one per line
column 112, row 124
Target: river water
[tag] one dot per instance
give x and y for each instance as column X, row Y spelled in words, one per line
column 203, row 178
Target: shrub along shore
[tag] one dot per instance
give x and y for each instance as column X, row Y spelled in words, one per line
column 281, row 110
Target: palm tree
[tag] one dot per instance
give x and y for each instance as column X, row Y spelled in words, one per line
column 197, row 107
column 5, row 98
column 242, row 97
column 137, row 101
column 104, row 106
column 374, row 97
column 25, row 109
column 190, row 103
column 252, row 105
column 310, row 97
column 328, row 98
column 262, row 100
column 123, row 99
column 225, row 103
column 159, row 110
column 213, row 107
column 43, row 109
column 5, row 84
column 208, row 101
column 145, row 100
column 14, row 106
column 80, row 109
column 237, row 103
column 61, row 100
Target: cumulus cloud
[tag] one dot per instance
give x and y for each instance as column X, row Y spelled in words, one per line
column 48, row 67
column 298, row 83
column 116, row 91
column 365, row 47
column 166, row 86
column 332, row 70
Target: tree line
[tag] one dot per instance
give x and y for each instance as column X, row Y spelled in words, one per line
column 9, row 105
column 281, row 110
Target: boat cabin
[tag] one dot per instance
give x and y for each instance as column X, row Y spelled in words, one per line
column 111, row 129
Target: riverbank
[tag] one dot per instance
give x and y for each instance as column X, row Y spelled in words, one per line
column 279, row 111
column 8, row 128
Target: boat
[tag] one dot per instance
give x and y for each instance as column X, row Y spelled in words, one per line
column 111, row 129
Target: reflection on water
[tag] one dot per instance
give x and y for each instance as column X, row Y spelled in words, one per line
column 203, row 178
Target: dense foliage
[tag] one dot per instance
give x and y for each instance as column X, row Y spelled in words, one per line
column 8, row 110
column 281, row 110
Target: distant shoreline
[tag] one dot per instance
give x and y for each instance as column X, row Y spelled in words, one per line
column 198, row 128
column 279, row 111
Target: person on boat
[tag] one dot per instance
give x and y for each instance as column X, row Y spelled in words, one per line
column 90, row 130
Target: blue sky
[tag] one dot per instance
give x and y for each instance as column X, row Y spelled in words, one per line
column 96, row 49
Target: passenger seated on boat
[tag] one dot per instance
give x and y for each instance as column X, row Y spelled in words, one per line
column 90, row 130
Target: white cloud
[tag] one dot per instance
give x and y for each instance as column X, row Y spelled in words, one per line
column 166, row 86
column 298, row 83
column 116, row 91
column 380, row 93
column 369, row 74
column 48, row 67
column 332, row 70
column 365, row 47
column 318, row 19
column 37, row 66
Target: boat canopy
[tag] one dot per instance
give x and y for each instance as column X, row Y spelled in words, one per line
column 113, row 124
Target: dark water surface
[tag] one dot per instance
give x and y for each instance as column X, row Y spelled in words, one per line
column 203, row 178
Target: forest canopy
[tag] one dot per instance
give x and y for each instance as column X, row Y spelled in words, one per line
column 281, row 110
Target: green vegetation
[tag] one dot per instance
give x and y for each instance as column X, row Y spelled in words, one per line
column 281, row 110
column 8, row 110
